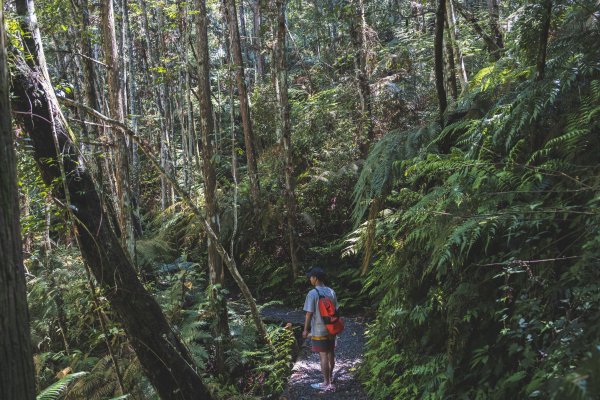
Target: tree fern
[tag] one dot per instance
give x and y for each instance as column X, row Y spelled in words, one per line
column 56, row 390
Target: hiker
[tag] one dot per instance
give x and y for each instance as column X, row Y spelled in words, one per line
column 322, row 341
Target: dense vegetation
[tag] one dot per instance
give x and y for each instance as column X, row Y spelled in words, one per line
column 440, row 160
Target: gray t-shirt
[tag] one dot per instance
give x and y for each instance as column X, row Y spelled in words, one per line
column 311, row 304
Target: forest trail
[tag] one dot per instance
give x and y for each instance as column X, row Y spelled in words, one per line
column 306, row 370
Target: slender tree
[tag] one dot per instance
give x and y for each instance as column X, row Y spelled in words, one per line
column 116, row 106
column 17, row 380
column 450, row 72
column 153, row 57
column 439, row 58
column 359, row 39
column 454, row 33
column 281, row 87
column 494, row 13
column 259, row 58
column 236, row 51
column 215, row 262
column 543, row 43
column 165, row 360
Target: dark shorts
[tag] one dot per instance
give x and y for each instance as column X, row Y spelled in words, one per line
column 322, row 344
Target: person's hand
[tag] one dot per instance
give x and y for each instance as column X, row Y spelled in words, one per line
column 305, row 333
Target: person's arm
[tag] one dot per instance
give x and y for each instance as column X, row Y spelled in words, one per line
column 307, row 319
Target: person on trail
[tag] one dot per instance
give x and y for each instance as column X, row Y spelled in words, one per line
column 314, row 327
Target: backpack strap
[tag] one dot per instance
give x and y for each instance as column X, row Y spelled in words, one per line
column 319, row 293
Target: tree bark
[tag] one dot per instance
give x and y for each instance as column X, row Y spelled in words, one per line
column 286, row 134
column 454, row 33
column 494, row 12
column 215, row 262
column 243, row 32
column 17, row 379
column 116, row 106
column 133, row 102
column 543, row 45
column 236, row 50
column 163, row 357
column 450, row 67
column 257, row 41
column 359, row 39
column 439, row 59
column 153, row 60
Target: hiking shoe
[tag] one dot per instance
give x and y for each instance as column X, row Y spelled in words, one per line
column 319, row 386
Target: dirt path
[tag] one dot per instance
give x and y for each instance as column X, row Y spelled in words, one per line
column 349, row 351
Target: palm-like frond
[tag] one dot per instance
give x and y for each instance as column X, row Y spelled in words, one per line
column 57, row 389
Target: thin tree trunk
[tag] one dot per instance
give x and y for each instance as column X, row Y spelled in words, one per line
column 46, row 250
column 116, row 104
column 494, row 12
column 439, row 59
column 359, row 38
column 164, row 359
column 450, row 67
column 543, row 45
column 236, row 50
column 286, row 134
column 17, row 379
column 453, row 29
column 134, row 105
column 159, row 96
column 257, row 41
column 243, row 32
column 215, row 262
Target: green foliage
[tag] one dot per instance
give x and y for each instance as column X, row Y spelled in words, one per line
column 487, row 252
column 55, row 391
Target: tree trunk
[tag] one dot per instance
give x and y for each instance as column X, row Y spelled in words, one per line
column 236, row 50
column 215, row 262
column 257, row 41
column 153, row 60
column 494, row 13
column 359, row 39
column 243, row 32
column 453, row 30
column 439, row 58
column 17, row 379
column 543, row 45
column 450, row 67
column 286, row 134
column 115, row 101
column 164, row 359
column 133, row 103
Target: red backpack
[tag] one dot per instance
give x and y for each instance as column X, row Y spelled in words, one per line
column 333, row 322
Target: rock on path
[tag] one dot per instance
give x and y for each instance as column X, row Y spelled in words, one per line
column 306, row 370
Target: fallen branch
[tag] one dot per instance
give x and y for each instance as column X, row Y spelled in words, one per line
column 527, row 262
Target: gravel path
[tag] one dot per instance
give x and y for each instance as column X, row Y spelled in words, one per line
column 349, row 350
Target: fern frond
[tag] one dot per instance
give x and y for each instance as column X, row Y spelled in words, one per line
column 54, row 391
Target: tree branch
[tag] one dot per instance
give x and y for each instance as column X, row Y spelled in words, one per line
column 227, row 258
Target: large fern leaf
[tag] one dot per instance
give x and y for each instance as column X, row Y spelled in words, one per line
column 55, row 390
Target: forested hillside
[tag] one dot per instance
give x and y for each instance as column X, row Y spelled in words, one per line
column 170, row 169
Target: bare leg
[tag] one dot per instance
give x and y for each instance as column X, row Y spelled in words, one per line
column 331, row 362
column 325, row 368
